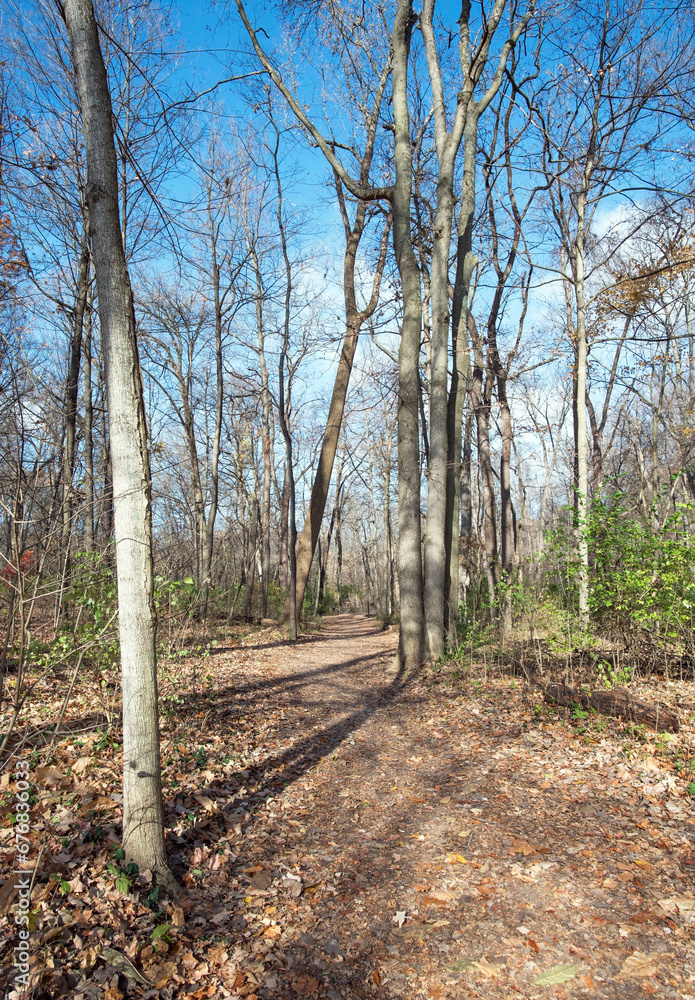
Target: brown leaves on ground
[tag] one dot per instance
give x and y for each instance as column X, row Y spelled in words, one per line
column 341, row 835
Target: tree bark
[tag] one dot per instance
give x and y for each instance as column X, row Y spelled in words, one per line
column 355, row 319
column 582, row 463
column 88, row 433
column 411, row 645
column 208, row 524
column 481, row 395
column 143, row 816
column 283, row 404
column 72, row 385
column 283, row 556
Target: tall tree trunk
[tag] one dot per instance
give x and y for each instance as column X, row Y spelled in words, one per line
column 481, row 395
column 354, row 319
column 388, row 540
column 323, row 560
column 466, row 528
column 411, row 645
column 283, row 534
column 88, row 433
column 209, row 524
column 283, row 403
column 580, row 444
column 267, row 475
column 250, row 572
column 466, row 262
column 72, row 385
column 143, row 815
column 339, row 550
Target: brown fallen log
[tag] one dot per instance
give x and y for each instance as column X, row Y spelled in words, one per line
column 617, row 702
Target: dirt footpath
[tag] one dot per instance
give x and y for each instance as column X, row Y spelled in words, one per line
column 341, row 834
column 422, row 843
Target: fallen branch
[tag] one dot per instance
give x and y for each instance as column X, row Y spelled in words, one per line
column 618, row 702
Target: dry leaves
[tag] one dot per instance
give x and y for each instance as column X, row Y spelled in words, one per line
column 639, row 964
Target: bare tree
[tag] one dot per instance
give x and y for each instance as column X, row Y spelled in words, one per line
column 143, row 815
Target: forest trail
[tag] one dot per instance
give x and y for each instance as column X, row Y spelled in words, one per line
column 339, row 833
column 421, row 843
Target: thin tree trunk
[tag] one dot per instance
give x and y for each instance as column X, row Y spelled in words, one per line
column 355, row 319
column 71, row 395
column 250, row 572
column 143, row 814
column 209, row 525
column 283, row 555
column 388, row 541
column 481, row 394
column 466, row 529
column 283, row 404
column 88, row 432
column 466, row 262
column 580, row 420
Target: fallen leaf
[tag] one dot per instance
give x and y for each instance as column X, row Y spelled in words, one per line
column 89, row 956
column 161, row 974
column 399, row 918
column 8, row 891
column 216, row 955
column 640, row 964
column 76, row 885
column 522, row 847
column 305, row 985
column 123, row 964
column 456, row 859
column 206, row 802
column 438, row 896
column 684, row 905
column 177, row 917
column 462, row 965
column 49, row 775
column 558, row 974
column 261, row 881
column 487, row 968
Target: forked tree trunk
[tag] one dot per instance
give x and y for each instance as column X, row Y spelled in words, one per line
column 143, row 816
column 355, row 319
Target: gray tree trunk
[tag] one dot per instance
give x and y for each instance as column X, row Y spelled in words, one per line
column 88, row 432
column 143, row 817
column 411, row 645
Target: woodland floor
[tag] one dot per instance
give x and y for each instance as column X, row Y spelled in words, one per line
column 339, row 833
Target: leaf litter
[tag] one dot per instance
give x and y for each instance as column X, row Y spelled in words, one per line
column 340, row 834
